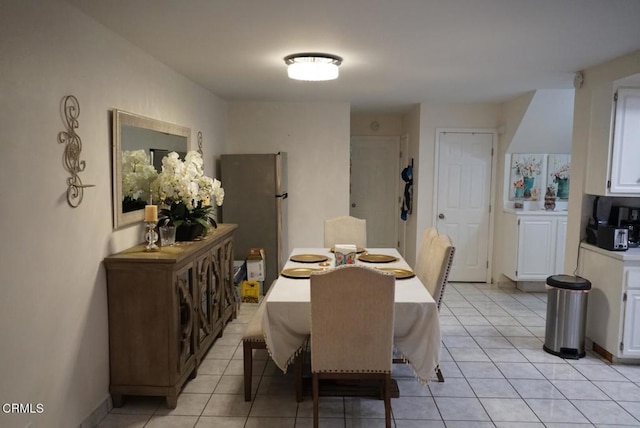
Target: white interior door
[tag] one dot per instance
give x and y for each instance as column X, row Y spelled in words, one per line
column 374, row 188
column 463, row 200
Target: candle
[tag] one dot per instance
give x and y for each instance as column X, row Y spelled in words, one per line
column 151, row 213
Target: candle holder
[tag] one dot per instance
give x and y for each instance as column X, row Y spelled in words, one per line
column 151, row 237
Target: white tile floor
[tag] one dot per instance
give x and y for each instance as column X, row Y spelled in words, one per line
column 496, row 375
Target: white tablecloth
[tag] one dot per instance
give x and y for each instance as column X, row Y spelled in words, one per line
column 287, row 319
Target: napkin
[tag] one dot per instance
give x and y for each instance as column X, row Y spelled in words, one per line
column 345, row 254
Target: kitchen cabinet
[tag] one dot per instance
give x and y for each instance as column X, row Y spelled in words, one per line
column 166, row 309
column 614, row 147
column 534, row 244
column 613, row 308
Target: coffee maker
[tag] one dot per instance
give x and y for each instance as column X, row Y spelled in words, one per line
column 628, row 218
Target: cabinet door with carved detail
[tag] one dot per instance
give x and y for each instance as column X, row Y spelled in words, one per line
column 217, row 286
column 185, row 292
column 207, row 303
column 231, row 293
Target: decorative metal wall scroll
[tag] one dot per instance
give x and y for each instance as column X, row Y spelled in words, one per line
column 200, row 143
column 72, row 149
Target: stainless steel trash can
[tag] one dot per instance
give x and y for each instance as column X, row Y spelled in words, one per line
column 566, row 316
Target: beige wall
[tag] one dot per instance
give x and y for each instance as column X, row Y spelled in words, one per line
column 53, row 308
column 547, row 123
column 411, row 128
column 316, row 138
column 372, row 125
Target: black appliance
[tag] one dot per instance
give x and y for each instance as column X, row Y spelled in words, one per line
column 599, row 218
column 628, row 218
column 613, row 238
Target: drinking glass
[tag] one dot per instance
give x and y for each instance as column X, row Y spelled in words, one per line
column 167, row 236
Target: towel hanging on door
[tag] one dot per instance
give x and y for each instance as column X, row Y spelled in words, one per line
column 407, row 176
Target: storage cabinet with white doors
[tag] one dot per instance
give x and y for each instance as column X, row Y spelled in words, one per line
column 614, row 142
column 534, row 244
column 613, row 308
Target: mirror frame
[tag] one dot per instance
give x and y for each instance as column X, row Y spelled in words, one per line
column 120, row 119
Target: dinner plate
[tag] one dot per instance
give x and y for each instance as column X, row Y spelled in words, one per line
column 308, row 258
column 399, row 272
column 299, row 273
column 377, row 258
column 358, row 250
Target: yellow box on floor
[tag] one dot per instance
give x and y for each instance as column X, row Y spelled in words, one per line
column 250, row 291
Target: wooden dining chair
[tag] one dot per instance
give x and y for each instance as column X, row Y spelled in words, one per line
column 345, row 230
column 352, row 316
column 253, row 338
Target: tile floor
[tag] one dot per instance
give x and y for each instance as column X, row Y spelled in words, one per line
column 496, row 375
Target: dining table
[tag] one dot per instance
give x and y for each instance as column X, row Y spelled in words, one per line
column 287, row 321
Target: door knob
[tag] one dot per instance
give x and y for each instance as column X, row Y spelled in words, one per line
column 441, row 216
column 353, row 205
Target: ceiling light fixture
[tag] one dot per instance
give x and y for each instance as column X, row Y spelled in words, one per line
column 312, row 66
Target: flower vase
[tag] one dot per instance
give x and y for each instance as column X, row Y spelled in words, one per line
column 563, row 188
column 189, row 232
column 528, row 185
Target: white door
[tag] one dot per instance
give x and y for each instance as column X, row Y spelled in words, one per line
column 463, row 200
column 374, row 184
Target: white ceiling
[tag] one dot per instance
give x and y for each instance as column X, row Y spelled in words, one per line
column 396, row 52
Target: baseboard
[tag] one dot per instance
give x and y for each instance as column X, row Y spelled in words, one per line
column 506, row 284
column 608, row 355
column 531, row 286
column 100, row 412
column 526, row 286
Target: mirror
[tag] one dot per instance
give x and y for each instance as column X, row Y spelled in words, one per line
column 144, row 142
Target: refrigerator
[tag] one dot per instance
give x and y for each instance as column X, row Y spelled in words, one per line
column 255, row 198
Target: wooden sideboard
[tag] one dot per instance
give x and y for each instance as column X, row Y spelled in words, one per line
column 166, row 309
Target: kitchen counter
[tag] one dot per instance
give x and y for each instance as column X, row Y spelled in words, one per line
column 631, row 255
column 535, row 212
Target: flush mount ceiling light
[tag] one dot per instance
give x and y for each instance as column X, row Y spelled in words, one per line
column 312, row 66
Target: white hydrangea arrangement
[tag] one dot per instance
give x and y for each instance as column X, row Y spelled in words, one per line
column 183, row 186
column 137, row 175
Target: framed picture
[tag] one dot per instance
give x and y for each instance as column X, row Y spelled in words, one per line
column 527, row 177
column 558, row 171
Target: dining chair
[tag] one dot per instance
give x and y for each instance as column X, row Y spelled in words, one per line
column 439, row 261
column 433, row 265
column 253, row 338
column 345, row 230
column 352, row 316
column 423, row 252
